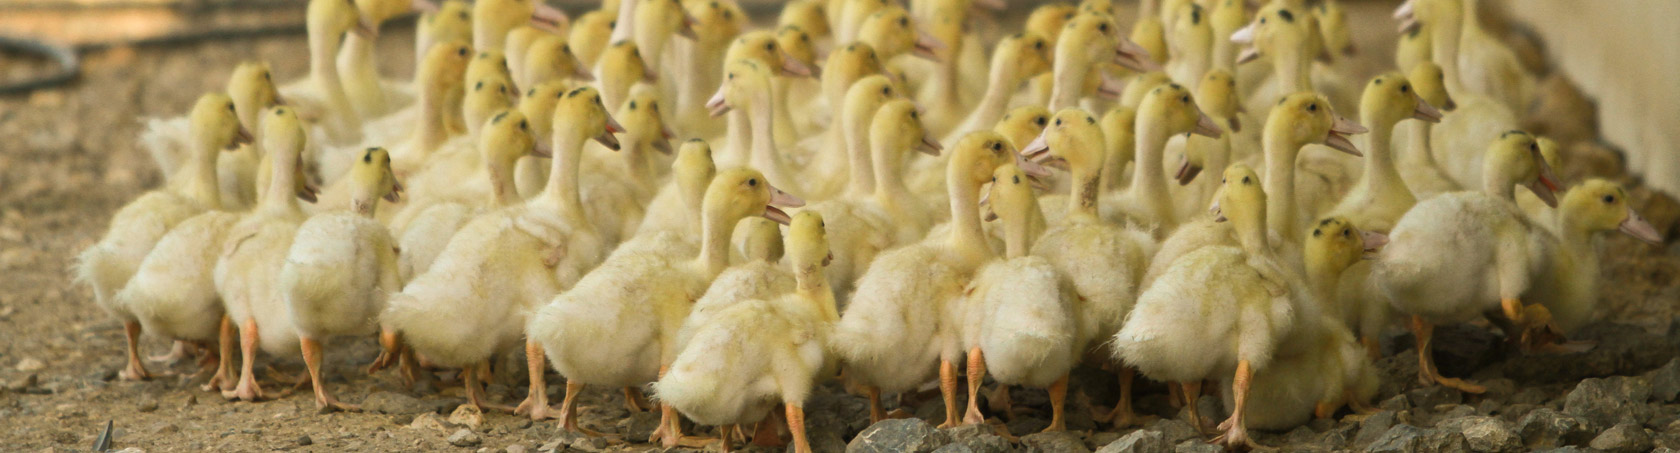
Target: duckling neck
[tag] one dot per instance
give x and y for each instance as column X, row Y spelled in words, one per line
column 281, row 197
column 715, row 231
column 856, row 135
column 740, row 135
column 765, row 157
column 1149, row 180
column 1069, row 79
column 1279, row 182
column 966, row 238
column 1086, row 187
column 1381, row 177
column 323, row 55
column 1292, row 71
column 1496, row 182
column 356, row 62
column 1444, row 46
column 1252, row 235
column 636, row 160
column 1019, row 233
column 813, row 286
column 1421, row 154
column 1579, row 242
column 503, row 191
column 432, row 132
column 889, row 171
column 201, row 182
column 1324, row 276
column 1002, row 82
column 366, row 206
column 561, row 194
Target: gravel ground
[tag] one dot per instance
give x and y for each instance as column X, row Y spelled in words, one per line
column 69, row 159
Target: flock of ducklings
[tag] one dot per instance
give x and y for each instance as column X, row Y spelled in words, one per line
column 547, row 201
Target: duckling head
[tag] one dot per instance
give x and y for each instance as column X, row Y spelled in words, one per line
column 891, row 32
column 1276, row 28
column 550, row 58
column 642, row 124
column 589, row 35
column 1447, row 14
column 1072, row 141
column 1217, row 94
column 507, row 137
column 797, row 44
column 1333, row 29
column 371, row 179
column 1102, row 7
column 850, row 15
column 978, row 154
column 451, row 22
column 1240, row 200
column 762, row 46
column 1028, row 53
column 1515, row 159
column 538, row 106
column 1047, row 20
column 1022, row 124
column 442, row 70
column 1077, row 37
column 664, row 17
column 762, row 240
column 1010, row 199
column 809, row 16
column 807, row 242
column 1172, row 108
column 716, row 22
column 1413, row 48
column 849, row 63
column 283, row 133
column 1335, row 243
column 1228, row 16
column 739, row 193
column 215, row 124
column 867, row 94
column 622, row 63
column 582, row 115
column 484, row 98
column 1192, row 33
column 334, row 18
column 898, row 124
column 1431, row 84
column 1390, row 98
column 1600, row 205
column 693, row 168
column 252, row 89
column 746, row 84
column 946, row 23
column 488, row 63
column 492, row 19
column 1119, row 127
column 1132, row 95
column 1306, row 117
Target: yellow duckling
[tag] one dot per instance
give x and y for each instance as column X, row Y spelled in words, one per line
column 801, row 46
column 518, row 47
column 1227, row 16
column 657, row 21
column 844, row 67
column 759, row 276
column 1119, row 126
column 809, row 15
column 1018, row 58
column 425, row 224
column 321, row 96
column 676, row 208
column 590, row 35
column 452, row 22
column 1167, row 111
column 620, row 67
column 761, row 352
column 745, row 97
column 411, row 135
column 1483, row 113
column 341, row 267
column 550, row 58
column 254, row 252
column 169, row 140
column 493, row 19
column 1075, row 56
column 701, row 61
column 1480, row 61
column 1567, row 288
column 1422, row 174
column 1215, row 95
column 530, row 175
column 371, row 95
column 616, row 191
column 136, row 228
column 1381, row 196
column 765, row 47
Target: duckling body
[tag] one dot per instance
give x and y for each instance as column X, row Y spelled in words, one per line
column 758, row 277
column 321, row 96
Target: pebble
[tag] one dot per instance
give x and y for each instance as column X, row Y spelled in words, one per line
column 1665, row 382
column 1408, row 438
column 1140, row 441
column 1607, row 402
column 974, row 439
column 910, row 435
column 30, row 364
column 304, row 440
column 464, row 438
column 27, row 382
column 147, row 405
column 1485, row 434
column 395, row 403
column 1622, row 438
column 1545, row 427
column 1054, row 442
column 467, row 415
column 516, row 448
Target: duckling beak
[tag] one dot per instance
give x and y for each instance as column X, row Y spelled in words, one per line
column 1134, row 57
column 279, row 100
column 780, row 199
column 1636, row 226
column 663, row 143
column 1236, row 121
column 929, row 145
column 607, row 138
column 1033, row 170
column 1248, row 54
column 423, row 6
column 648, row 75
column 549, row 18
column 1218, row 215
column 1244, row 35
column 1545, row 184
column 1205, row 126
column 1374, row 242
column 1407, row 17
column 927, row 46
column 686, row 28
column 308, row 192
column 792, row 67
column 242, row 137
column 579, row 70
column 1037, row 148
column 366, row 29
column 1425, row 111
column 1450, row 105
column 542, row 150
column 396, row 193
column 1187, row 171
column 1337, row 137
column 1110, row 87
column 718, row 104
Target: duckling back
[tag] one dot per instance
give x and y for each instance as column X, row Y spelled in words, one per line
column 605, row 330
column 172, row 293
column 337, row 274
column 1448, row 257
column 723, row 375
column 135, row 231
column 1024, row 321
column 1186, row 329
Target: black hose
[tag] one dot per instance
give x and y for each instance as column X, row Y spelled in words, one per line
column 69, row 67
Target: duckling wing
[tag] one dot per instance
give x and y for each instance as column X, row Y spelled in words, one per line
column 173, row 293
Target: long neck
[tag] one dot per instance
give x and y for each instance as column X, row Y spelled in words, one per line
column 1251, row 234
column 201, row 183
column 765, row 157
column 1380, row 172
column 1069, row 80
column 635, row 155
column 1291, row 69
column 1280, row 183
column 856, row 134
column 356, row 63
column 1499, row 183
column 503, row 191
column 779, row 87
column 1578, row 239
column 1149, row 180
column 323, row 55
column 966, row 235
column 561, row 194
column 703, row 69
column 1085, row 187
column 430, row 122
column 740, row 139
column 1324, row 276
column 1445, row 46
column 813, row 287
column 715, row 230
column 1002, row 82
column 1421, row 154
column 889, row 169
column 281, row 196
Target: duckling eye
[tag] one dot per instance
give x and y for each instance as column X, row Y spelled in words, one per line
column 531, row 92
column 997, row 146
column 266, row 76
column 1534, row 146
column 1016, row 179
column 1317, row 233
column 1185, row 99
column 731, row 76
column 1103, row 28
column 1038, row 45
column 913, row 115
column 230, row 107
column 1040, row 121
column 1609, row 199
column 752, row 182
column 1262, row 21
column 769, row 47
column 886, row 91
column 1313, row 107
column 1405, row 88
column 1347, row 233
column 461, row 52
column 632, row 105
column 1245, row 180
column 1058, row 121
column 524, row 124
column 478, row 86
column 903, row 21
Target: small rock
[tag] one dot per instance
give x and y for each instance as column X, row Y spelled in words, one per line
column 1197, row 446
column 1622, row 438
column 1409, row 439
column 1545, row 427
column 429, row 422
column 464, row 438
column 1140, row 441
column 24, row 383
column 590, row 444
column 1607, row 402
column 1054, row 442
column 304, row 440
column 974, row 439
column 1434, row 395
column 1486, row 434
column 640, row 425
column 909, row 435
column 1374, row 426
column 395, row 403
column 30, row 364
column 467, row 415
column 1665, row 382
column 147, row 404
column 516, row 448
column 1174, row 430
column 1395, row 403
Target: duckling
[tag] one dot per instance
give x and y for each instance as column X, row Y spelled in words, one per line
column 850, row 15
column 1227, row 16
column 630, row 290
column 764, row 46
column 530, row 174
column 1191, row 44
column 452, row 21
column 486, row 64
column 169, row 140
column 1414, row 47
column 1215, row 95
column 1483, row 64
column 757, row 353
column 745, row 96
column 1119, row 126
column 590, row 35
column 370, row 95
column 655, row 23
column 1166, row 111
column 1149, row 31
column 1422, row 174
column 862, row 100
column 1381, row 196
column 620, row 67
column 844, row 67
column 340, row 269
column 424, row 226
column 255, row 251
column 811, row 16
column 548, row 58
column 1075, row 56
column 1566, row 288
column 136, row 228
column 321, row 95
column 797, row 44
column 675, row 208
column 1480, row 116
column 1282, row 35
column 518, row 47
column 493, row 19
column 701, row 61
column 941, row 82
column 891, row 32
column 1185, row 330
column 519, row 256
column 616, row 192
column 1021, row 313
column 909, row 294
column 411, row 135
column 1485, row 264
column 1536, row 209
column 1017, row 58
column 759, row 276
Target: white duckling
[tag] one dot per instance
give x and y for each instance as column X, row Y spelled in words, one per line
column 429, row 223
column 1381, row 196
column 1480, row 117
column 759, row 276
column 340, row 269
column 764, row 48
column 909, row 294
column 1490, row 260
column 757, row 353
column 1422, row 174
column 474, row 300
column 1022, row 326
column 745, row 96
column 832, row 149
column 1414, row 47
column 321, row 95
column 1216, row 96
column 641, row 299
column 656, row 22
column 620, row 66
column 169, row 140
column 255, row 250
column 136, row 228
column 1185, row 329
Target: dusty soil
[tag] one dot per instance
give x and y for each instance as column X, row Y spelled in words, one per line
column 69, row 159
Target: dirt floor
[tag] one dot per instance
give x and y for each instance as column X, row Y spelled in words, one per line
column 68, row 159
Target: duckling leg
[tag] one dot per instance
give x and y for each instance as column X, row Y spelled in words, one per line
column 568, row 411
column 635, row 401
column 223, row 379
column 876, row 413
column 1373, row 348
column 1058, row 400
column 177, row 353
column 796, row 425
column 1235, row 434
column 1193, row 392
column 135, row 370
column 1427, row 374
column 247, row 389
column 1542, row 335
column 767, row 432
column 536, row 400
column 1175, row 395
column 948, row 390
column 724, row 433
column 976, row 374
column 475, row 389
column 1122, row 415
column 390, row 348
column 312, row 358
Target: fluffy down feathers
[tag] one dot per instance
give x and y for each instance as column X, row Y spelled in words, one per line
column 1490, row 259
column 1024, row 322
column 607, row 329
column 746, row 359
column 338, row 274
column 1186, row 329
column 135, row 230
column 173, row 293
column 889, row 330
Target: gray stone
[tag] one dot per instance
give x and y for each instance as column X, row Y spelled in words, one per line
column 640, row 425
column 900, row 435
column 1434, row 395
column 304, row 440
column 1545, row 427
column 1485, row 434
column 1622, row 438
column 1197, row 446
column 1027, row 424
column 1054, row 442
column 974, row 439
column 1412, row 439
column 395, row 403
column 147, row 404
column 1530, row 395
column 1140, row 441
column 1606, row 402
column 1619, row 350
column 1174, row 430
column 1395, row 403
column 1374, row 426
column 464, row 438
column 516, row 448
column 1665, row 382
